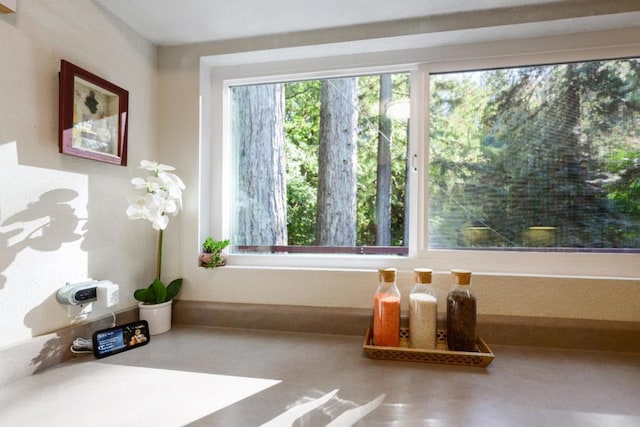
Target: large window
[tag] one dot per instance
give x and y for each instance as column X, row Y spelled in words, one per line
column 519, row 169
column 541, row 157
column 319, row 166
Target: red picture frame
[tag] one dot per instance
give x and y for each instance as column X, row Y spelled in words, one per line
column 94, row 116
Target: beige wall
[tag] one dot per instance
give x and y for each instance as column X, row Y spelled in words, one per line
column 62, row 218
column 500, row 294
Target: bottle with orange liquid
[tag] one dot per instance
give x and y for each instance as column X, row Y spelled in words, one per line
column 386, row 310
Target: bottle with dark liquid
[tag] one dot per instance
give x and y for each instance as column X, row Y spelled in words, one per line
column 461, row 313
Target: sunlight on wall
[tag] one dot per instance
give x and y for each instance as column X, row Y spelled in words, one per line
column 43, row 217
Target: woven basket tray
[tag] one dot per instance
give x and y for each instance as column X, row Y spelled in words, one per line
column 441, row 355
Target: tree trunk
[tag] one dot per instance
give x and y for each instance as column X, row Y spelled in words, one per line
column 383, row 181
column 258, row 138
column 337, row 163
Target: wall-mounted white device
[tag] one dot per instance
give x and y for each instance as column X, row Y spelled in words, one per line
column 103, row 291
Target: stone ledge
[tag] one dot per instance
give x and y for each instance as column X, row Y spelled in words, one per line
column 578, row 334
column 500, row 330
column 323, row 320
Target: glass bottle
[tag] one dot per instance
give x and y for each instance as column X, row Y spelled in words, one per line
column 386, row 310
column 423, row 311
column 461, row 313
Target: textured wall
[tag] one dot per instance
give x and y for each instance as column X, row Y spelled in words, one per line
column 518, row 293
column 62, row 218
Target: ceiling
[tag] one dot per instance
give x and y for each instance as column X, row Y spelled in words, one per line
column 177, row 22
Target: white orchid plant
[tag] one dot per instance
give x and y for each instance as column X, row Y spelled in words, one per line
column 160, row 195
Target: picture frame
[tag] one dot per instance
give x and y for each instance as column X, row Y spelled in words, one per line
column 94, row 116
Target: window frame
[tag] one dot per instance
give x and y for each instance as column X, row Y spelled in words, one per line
column 310, row 259
column 221, row 73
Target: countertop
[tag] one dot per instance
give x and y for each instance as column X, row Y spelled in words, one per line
column 204, row 376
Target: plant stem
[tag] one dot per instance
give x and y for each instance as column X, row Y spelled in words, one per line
column 159, row 257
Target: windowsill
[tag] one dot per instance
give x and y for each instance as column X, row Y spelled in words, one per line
column 512, row 263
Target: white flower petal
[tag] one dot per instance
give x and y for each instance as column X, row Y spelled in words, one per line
column 169, row 206
column 133, row 212
column 176, row 180
column 175, row 193
column 155, row 166
column 139, row 183
column 160, row 222
column 154, row 184
column 137, row 212
column 161, row 167
column 148, row 165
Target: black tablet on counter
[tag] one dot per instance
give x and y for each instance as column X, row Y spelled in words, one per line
column 110, row 341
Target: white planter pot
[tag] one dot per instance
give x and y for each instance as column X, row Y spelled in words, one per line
column 157, row 315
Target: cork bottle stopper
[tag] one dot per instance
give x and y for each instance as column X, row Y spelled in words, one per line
column 461, row 277
column 422, row 275
column 387, row 274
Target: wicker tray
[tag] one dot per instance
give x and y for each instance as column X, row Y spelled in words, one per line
column 441, row 355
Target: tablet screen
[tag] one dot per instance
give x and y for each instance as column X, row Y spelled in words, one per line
column 107, row 342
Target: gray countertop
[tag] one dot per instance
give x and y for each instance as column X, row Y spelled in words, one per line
column 236, row 377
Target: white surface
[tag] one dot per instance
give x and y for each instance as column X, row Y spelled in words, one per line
column 157, row 315
column 120, row 395
column 191, row 21
column 167, row 22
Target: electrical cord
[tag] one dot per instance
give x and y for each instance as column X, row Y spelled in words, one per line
column 113, row 323
column 85, row 346
column 81, row 346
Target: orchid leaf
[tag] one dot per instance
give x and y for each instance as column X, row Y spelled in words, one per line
column 159, row 290
column 157, row 293
column 145, row 295
column 173, row 289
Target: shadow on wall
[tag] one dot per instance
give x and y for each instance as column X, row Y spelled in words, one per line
column 44, row 226
column 45, row 351
column 51, row 349
column 52, row 352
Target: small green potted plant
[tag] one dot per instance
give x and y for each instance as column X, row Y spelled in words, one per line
column 212, row 256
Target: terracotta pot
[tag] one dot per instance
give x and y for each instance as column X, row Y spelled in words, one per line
column 205, row 258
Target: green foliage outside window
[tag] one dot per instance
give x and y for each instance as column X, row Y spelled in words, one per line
column 547, row 146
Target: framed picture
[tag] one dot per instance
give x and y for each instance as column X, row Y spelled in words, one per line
column 93, row 116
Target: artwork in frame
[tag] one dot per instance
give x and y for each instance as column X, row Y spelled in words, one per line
column 93, row 116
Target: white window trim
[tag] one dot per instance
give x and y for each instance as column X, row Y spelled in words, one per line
column 219, row 72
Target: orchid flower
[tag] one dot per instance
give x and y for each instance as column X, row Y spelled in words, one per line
column 161, row 195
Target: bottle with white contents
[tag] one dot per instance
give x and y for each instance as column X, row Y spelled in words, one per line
column 423, row 311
